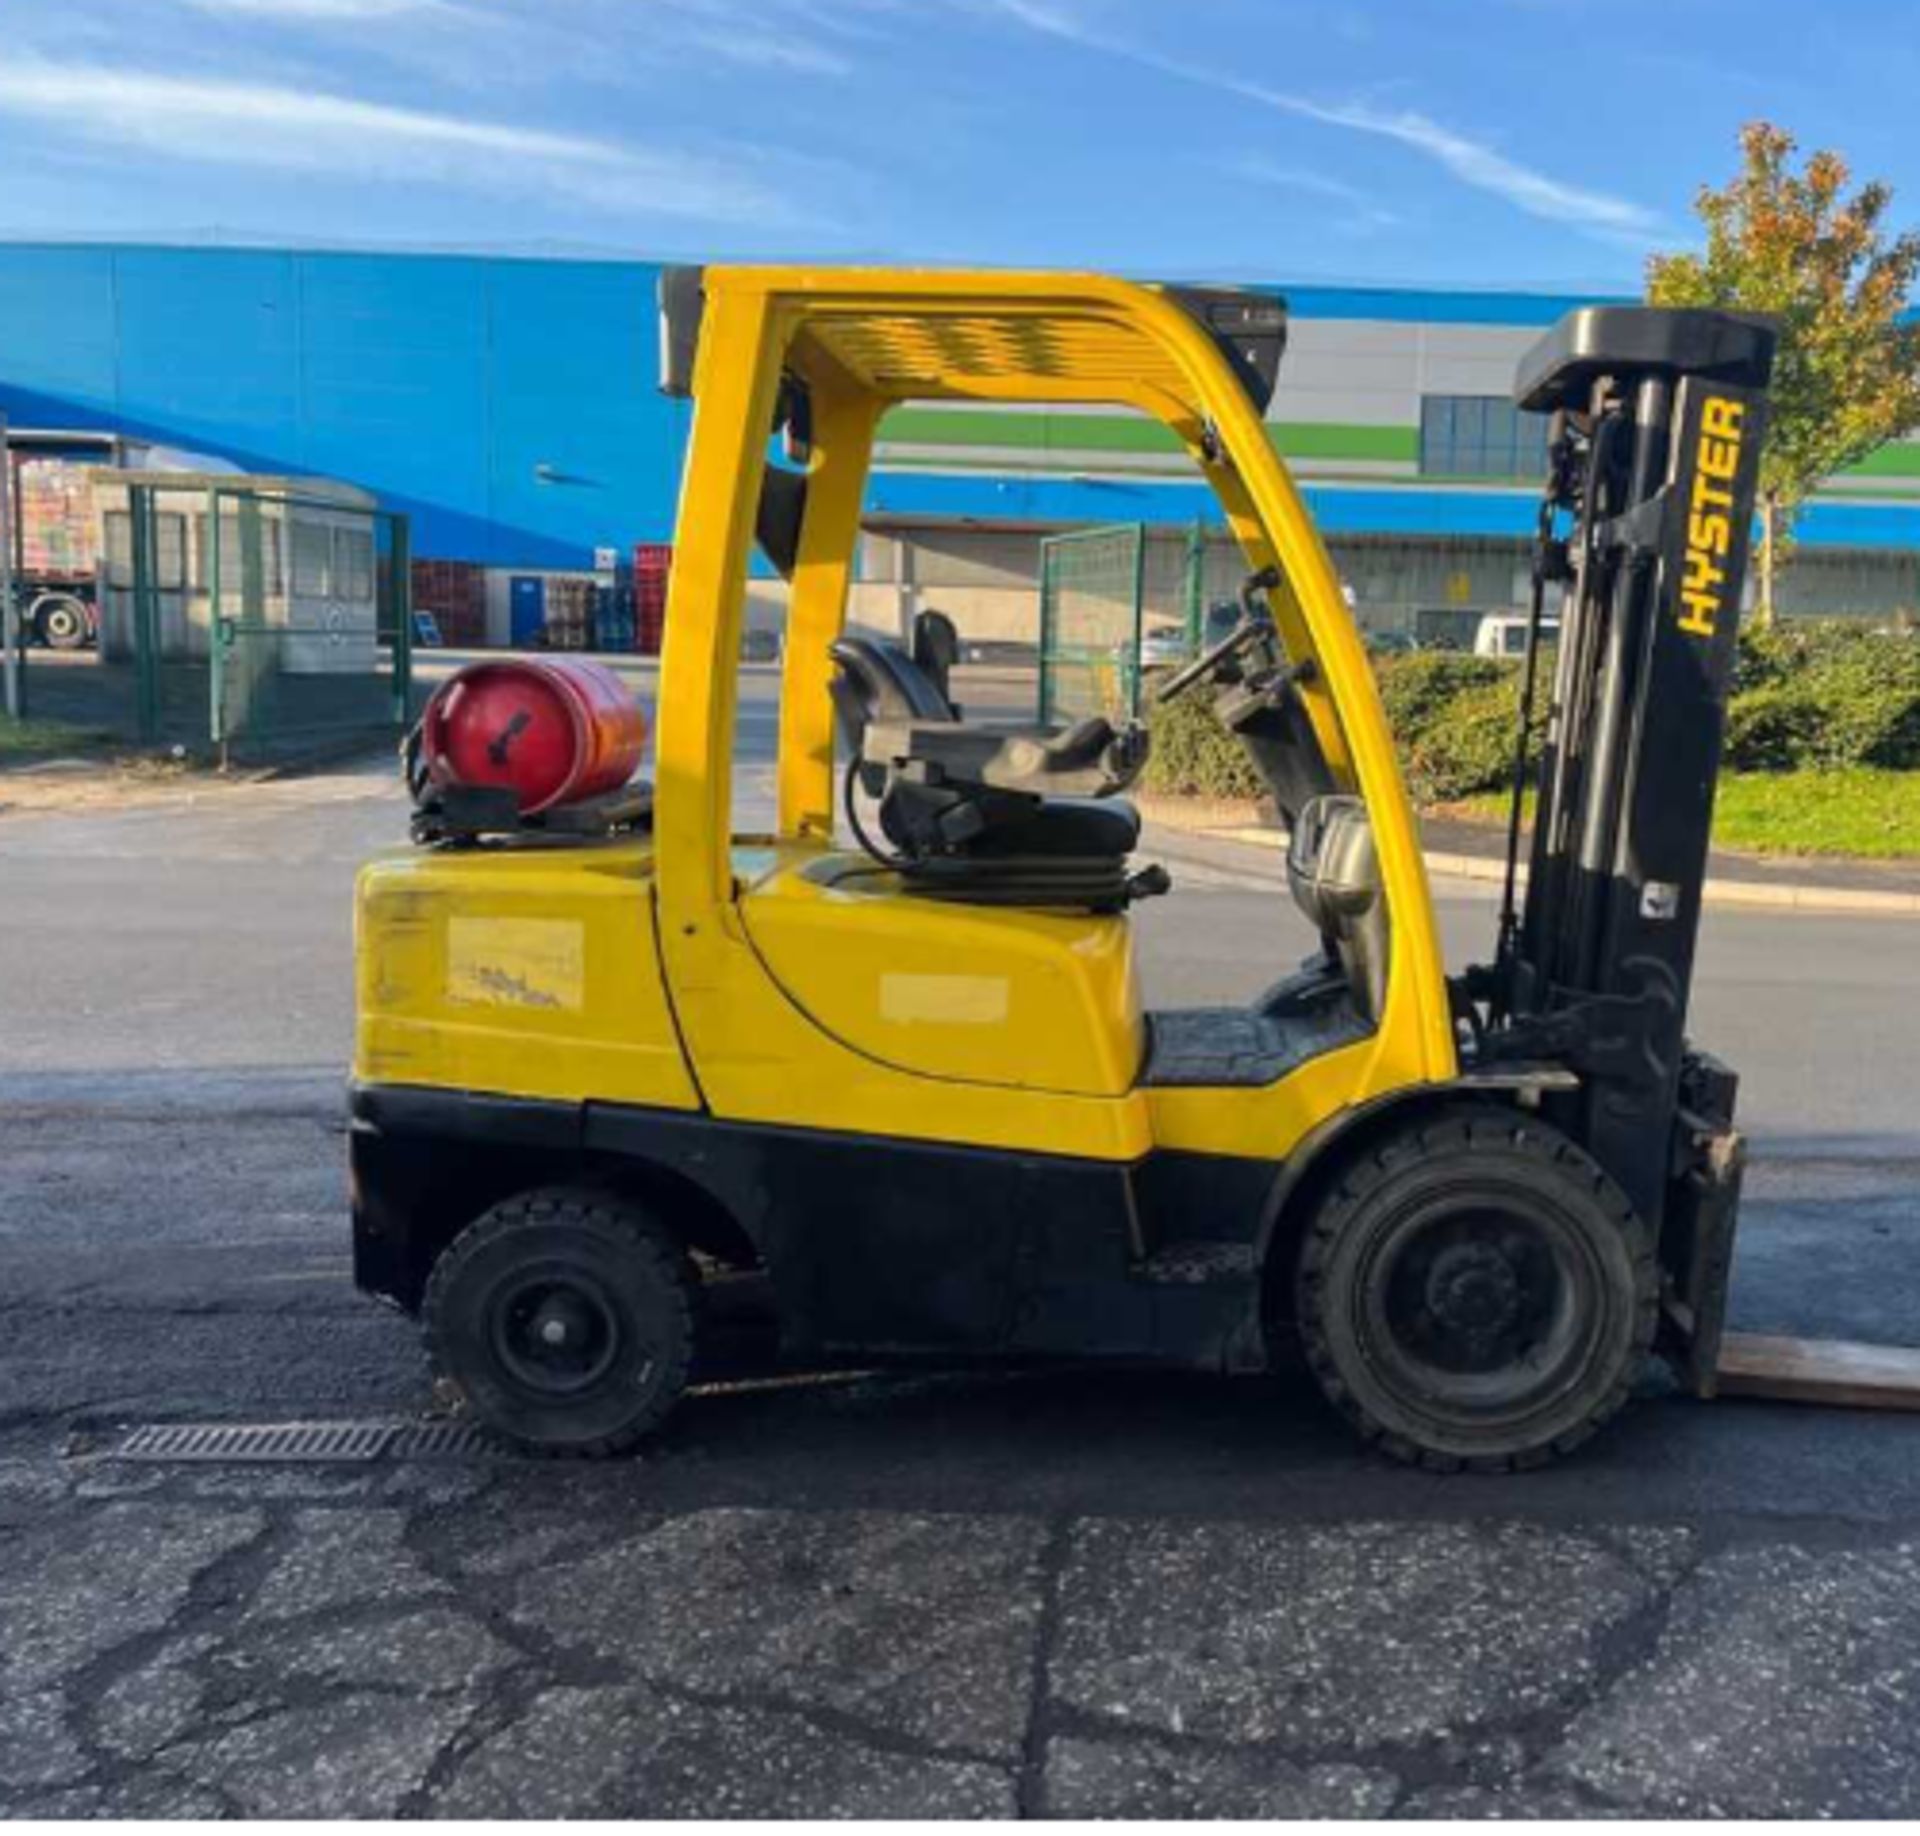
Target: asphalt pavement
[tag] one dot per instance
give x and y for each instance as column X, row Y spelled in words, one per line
column 946, row 1593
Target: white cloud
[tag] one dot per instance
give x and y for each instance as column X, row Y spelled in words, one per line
column 1471, row 161
column 1296, row 178
column 807, row 37
column 1360, row 213
column 322, row 10
column 1057, row 20
column 269, row 126
column 763, row 50
column 482, row 46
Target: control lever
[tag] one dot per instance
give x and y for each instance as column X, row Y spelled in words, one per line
column 1256, row 622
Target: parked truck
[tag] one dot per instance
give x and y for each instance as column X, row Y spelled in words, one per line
column 55, row 541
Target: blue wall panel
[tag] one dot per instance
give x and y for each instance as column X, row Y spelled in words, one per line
column 1837, row 525
column 582, row 446
column 57, row 336
column 510, row 408
column 211, row 348
column 393, row 391
column 1338, row 510
column 1403, row 305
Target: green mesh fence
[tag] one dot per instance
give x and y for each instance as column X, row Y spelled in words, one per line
column 310, row 615
column 250, row 621
column 1092, row 585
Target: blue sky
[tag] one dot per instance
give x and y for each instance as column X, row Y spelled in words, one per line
column 1462, row 142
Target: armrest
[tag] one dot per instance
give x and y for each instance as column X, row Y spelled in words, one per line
column 1088, row 760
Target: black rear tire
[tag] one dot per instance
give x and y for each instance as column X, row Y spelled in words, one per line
column 61, row 622
column 1475, row 1292
column 563, row 1321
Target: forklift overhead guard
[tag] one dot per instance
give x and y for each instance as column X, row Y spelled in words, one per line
column 1249, row 328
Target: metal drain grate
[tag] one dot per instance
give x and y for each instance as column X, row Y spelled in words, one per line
column 444, row 1441
column 350, row 1443
column 258, row 1441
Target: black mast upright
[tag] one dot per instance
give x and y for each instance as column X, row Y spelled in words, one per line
column 1663, row 416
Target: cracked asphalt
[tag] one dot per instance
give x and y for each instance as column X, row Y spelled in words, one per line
column 938, row 1594
column 663, row 1638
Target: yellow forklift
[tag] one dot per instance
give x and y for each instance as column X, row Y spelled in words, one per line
column 892, row 1056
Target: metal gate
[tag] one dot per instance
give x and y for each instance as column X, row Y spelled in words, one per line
column 240, row 617
column 1092, row 586
column 269, row 621
column 310, row 599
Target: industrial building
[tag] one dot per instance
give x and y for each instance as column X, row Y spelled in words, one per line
column 508, row 408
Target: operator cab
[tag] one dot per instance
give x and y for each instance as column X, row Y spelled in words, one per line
column 942, row 884
column 990, row 816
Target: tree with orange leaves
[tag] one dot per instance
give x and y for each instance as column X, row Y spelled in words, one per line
column 1821, row 264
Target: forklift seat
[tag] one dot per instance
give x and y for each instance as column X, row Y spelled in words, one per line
column 896, row 717
column 983, row 814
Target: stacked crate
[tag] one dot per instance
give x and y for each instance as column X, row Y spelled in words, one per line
column 570, row 608
column 652, row 567
column 455, row 592
column 53, row 500
column 613, row 616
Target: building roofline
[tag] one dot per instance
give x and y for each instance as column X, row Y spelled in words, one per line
column 1308, row 297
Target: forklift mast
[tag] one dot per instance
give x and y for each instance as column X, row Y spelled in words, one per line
column 1658, row 421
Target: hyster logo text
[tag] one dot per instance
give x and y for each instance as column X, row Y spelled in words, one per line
column 1709, row 524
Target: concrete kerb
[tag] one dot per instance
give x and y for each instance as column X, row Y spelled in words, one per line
column 1719, row 893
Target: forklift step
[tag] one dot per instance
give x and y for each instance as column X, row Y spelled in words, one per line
column 1832, row 1371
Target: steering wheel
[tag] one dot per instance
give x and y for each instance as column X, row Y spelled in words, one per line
column 1256, row 622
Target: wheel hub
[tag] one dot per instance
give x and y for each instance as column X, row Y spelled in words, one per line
column 1473, row 1290
column 1477, row 1297
column 560, row 1322
column 554, row 1335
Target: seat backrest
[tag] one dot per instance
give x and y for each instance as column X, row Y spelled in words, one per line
column 877, row 680
column 1335, row 877
column 936, row 649
column 887, row 683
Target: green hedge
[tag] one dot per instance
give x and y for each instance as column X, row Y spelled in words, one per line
column 1194, row 756
column 1455, row 718
column 1453, row 715
column 1826, row 696
column 1823, row 696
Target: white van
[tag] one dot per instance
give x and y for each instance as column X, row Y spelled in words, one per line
column 1504, row 634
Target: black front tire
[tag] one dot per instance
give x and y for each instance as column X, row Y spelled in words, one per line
column 61, row 623
column 1475, row 1292
column 563, row 1321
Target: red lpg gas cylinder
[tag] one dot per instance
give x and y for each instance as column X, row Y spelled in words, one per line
column 553, row 730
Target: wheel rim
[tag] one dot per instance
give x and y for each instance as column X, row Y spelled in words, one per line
column 1483, row 1311
column 553, row 1330
column 63, row 625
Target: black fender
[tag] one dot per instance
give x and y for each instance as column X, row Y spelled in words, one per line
column 425, row 1162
